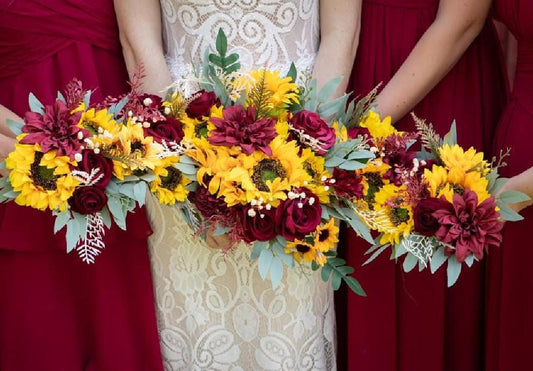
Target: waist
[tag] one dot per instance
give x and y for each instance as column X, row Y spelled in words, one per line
column 419, row 4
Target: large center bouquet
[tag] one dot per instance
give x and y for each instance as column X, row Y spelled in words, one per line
column 267, row 161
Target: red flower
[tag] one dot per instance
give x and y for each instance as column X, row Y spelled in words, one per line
column 169, row 130
column 91, row 160
column 207, row 204
column 201, row 105
column 470, row 227
column 57, row 129
column 312, row 125
column 88, row 200
column 299, row 216
column 239, row 128
column 347, row 184
column 261, row 226
column 425, row 223
column 356, row 131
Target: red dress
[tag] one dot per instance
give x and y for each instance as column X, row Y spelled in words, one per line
column 412, row 322
column 509, row 322
column 57, row 313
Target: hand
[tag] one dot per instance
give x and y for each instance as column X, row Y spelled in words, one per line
column 522, row 183
column 7, row 144
column 222, row 242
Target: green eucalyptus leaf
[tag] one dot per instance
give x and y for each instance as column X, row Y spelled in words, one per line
column 35, row 105
column 453, row 271
column 15, row 126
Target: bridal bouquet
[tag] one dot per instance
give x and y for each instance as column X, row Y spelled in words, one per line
column 266, row 161
column 436, row 205
column 87, row 163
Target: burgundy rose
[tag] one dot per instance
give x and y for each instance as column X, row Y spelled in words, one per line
column 261, row 226
column 201, row 105
column 358, row 131
column 206, row 203
column 150, row 101
column 347, row 184
column 169, row 130
column 470, row 227
column 57, row 129
column 239, row 128
column 311, row 124
column 91, row 160
column 425, row 223
column 88, row 200
column 299, row 216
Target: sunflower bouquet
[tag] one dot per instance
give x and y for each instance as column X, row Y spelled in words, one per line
column 259, row 161
column 87, row 163
column 436, row 205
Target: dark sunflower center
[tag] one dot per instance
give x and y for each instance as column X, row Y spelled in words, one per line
column 375, row 182
column 265, row 170
column 138, row 146
column 301, row 248
column 323, row 235
column 172, row 180
column 41, row 175
column 399, row 215
column 200, row 130
column 309, row 169
column 91, row 126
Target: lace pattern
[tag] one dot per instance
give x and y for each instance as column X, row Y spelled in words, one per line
column 214, row 310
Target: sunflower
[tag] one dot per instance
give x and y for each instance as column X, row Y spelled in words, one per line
column 314, row 166
column 376, row 127
column 101, row 125
column 393, row 200
column 270, row 177
column 132, row 151
column 42, row 180
column 304, row 251
column 444, row 182
column 169, row 185
column 175, row 104
column 373, row 178
column 455, row 157
column 326, row 236
column 197, row 130
column 281, row 91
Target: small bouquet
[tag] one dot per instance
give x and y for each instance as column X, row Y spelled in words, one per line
column 257, row 159
column 436, row 205
column 87, row 163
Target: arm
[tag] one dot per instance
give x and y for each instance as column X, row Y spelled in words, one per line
column 7, row 141
column 522, row 182
column 140, row 35
column 340, row 24
column 456, row 25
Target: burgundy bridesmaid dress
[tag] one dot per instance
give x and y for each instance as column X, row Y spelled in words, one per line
column 412, row 322
column 509, row 321
column 57, row 313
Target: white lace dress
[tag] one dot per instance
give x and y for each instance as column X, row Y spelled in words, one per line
column 214, row 311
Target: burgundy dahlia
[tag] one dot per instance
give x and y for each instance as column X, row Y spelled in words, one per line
column 239, row 128
column 299, row 216
column 347, row 184
column 470, row 227
column 56, row 129
column 207, row 204
column 358, row 131
column 201, row 105
column 311, row 124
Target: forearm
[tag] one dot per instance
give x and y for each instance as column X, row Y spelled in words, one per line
column 6, row 114
column 339, row 38
column 444, row 42
column 140, row 35
column 522, row 182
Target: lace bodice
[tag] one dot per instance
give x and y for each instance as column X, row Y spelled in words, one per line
column 265, row 33
column 214, row 310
